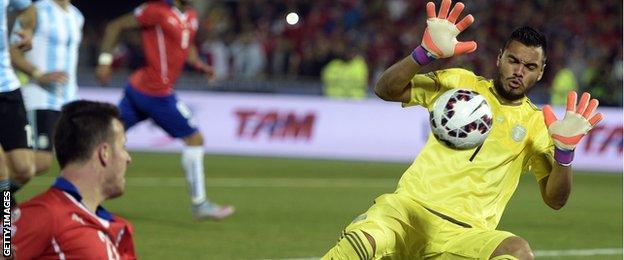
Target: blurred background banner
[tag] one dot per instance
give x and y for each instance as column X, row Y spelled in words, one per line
column 254, row 48
column 317, row 127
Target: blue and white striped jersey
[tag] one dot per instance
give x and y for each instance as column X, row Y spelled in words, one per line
column 55, row 43
column 8, row 80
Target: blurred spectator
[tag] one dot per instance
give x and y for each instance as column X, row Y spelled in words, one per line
column 584, row 36
column 249, row 58
column 563, row 82
column 215, row 52
column 315, row 56
column 346, row 76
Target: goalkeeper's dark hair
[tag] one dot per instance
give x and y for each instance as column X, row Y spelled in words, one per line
column 528, row 36
column 81, row 127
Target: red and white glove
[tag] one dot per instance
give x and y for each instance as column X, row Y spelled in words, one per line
column 440, row 37
column 568, row 132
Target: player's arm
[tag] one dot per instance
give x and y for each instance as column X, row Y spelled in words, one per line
column 439, row 41
column 566, row 134
column 19, row 61
column 198, row 64
column 556, row 188
column 111, row 36
column 27, row 17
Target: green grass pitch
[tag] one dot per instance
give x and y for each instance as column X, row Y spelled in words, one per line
column 295, row 208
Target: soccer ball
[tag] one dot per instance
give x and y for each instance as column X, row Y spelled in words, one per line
column 461, row 119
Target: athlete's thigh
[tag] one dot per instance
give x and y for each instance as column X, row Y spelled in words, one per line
column 456, row 242
column 21, row 161
column 398, row 225
column 130, row 109
column 172, row 115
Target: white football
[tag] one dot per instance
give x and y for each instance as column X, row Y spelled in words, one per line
column 461, row 119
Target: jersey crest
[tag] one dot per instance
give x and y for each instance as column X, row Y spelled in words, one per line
column 518, row 133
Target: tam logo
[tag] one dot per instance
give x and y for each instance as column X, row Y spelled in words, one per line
column 276, row 125
column 603, row 137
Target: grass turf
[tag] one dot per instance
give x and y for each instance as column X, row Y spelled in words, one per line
column 290, row 208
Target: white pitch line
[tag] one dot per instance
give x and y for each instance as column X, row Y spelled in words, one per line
column 538, row 253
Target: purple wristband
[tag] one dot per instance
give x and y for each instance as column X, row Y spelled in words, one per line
column 422, row 56
column 564, row 157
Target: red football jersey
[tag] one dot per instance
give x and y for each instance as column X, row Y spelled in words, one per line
column 167, row 34
column 55, row 225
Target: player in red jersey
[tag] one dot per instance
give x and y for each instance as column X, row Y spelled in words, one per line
column 67, row 221
column 168, row 29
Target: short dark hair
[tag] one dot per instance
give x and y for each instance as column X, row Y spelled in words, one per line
column 81, row 126
column 528, row 36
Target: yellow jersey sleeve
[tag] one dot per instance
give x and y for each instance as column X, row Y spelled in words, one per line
column 427, row 87
column 541, row 159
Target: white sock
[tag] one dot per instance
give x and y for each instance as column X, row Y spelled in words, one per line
column 193, row 164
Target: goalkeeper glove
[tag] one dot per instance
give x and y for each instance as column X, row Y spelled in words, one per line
column 568, row 132
column 439, row 39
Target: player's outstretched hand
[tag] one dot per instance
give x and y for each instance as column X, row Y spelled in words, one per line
column 568, row 132
column 440, row 37
column 103, row 74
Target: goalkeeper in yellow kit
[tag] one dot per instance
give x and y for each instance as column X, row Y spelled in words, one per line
column 448, row 202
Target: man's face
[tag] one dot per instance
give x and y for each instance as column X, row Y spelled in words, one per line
column 519, row 67
column 115, row 181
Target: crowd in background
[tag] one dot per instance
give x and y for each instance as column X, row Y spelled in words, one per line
column 251, row 39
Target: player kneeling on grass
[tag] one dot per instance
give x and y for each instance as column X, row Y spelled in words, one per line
column 67, row 221
column 448, row 202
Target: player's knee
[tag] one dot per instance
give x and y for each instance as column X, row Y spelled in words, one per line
column 371, row 241
column 352, row 245
column 22, row 172
column 3, row 160
column 3, row 167
column 195, row 139
column 516, row 247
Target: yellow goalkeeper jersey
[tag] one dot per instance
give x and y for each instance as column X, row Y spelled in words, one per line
column 473, row 186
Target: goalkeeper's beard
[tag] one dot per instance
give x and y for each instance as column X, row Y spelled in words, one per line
column 507, row 94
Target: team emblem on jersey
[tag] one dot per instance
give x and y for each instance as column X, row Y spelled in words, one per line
column 518, row 133
column 78, row 219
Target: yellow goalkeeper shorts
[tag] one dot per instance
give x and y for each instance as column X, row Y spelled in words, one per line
column 403, row 229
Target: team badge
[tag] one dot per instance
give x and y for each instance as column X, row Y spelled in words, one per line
column 518, row 133
column 78, row 219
